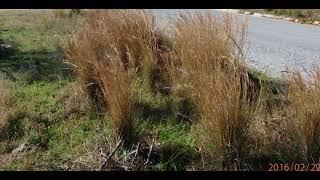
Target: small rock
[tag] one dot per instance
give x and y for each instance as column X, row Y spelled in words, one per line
column 296, row 20
column 270, row 16
column 316, row 22
column 19, row 149
column 6, row 46
column 277, row 17
column 247, row 13
column 287, row 19
column 257, row 14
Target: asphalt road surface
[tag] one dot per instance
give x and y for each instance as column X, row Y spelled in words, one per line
column 272, row 46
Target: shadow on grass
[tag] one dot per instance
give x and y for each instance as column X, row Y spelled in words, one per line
column 30, row 66
column 182, row 110
column 174, row 157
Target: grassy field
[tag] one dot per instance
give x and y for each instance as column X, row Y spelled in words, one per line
column 108, row 91
column 61, row 137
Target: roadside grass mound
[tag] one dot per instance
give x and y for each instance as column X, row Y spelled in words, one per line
column 303, row 15
column 79, row 94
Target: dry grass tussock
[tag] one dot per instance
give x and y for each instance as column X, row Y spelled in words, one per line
column 109, row 52
column 304, row 95
column 206, row 66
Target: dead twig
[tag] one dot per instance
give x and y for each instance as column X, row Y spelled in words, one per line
column 135, row 155
column 150, row 150
column 110, row 155
column 184, row 116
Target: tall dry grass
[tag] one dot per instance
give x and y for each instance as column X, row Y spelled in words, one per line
column 304, row 95
column 109, row 52
column 206, row 67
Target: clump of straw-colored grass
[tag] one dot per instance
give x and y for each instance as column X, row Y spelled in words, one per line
column 205, row 66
